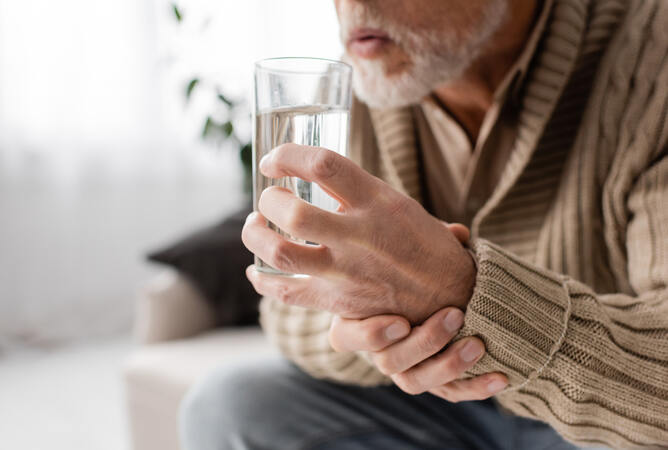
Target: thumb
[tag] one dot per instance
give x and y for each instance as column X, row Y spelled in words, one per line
column 460, row 231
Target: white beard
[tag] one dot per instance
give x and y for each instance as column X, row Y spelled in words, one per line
column 436, row 58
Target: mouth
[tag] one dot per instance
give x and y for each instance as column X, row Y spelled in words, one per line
column 367, row 42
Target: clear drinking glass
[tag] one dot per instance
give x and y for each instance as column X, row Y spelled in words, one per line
column 305, row 101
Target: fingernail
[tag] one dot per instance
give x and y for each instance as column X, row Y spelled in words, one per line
column 396, row 331
column 453, row 320
column 250, row 216
column 265, row 160
column 495, row 386
column 470, row 351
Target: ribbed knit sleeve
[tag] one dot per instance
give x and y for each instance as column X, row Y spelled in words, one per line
column 593, row 366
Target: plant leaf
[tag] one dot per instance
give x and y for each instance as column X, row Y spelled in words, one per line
column 246, row 155
column 225, row 100
column 177, row 12
column 227, row 128
column 191, row 87
column 207, row 127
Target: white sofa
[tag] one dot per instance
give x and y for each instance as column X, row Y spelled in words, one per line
column 177, row 345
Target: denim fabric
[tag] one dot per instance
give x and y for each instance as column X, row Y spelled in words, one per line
column 274, row 405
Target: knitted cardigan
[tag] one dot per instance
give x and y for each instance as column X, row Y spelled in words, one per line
column 571, row 247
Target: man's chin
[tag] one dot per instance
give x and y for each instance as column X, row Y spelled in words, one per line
column 389, row 92
column 371, row 83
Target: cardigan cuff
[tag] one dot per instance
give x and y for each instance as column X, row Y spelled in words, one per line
column 520, row 312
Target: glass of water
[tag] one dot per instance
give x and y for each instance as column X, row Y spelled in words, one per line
column 304, row 101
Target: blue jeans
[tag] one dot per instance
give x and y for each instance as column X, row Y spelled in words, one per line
column 274, row 405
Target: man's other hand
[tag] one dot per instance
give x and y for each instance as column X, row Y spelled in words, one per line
column 415, row 358
column 379, row 253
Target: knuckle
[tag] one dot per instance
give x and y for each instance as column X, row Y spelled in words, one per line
column 408, row 383
column 445, row 395
column 371, row 336
column 281, row 256
column 297, row 217
column 398, row 205
column 325, row 164
column 450, row 367
column 283, row 294
column 385, row 363
column 346, row 304
column 449, row 393
column 428, row 343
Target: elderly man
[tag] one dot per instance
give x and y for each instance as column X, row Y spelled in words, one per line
column 542, row 127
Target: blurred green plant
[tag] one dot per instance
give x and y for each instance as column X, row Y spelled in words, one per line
column 177, row 12
column 218, row 125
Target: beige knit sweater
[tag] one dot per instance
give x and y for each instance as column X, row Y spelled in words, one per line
column 572, row 247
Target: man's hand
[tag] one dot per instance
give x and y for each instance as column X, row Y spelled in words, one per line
column 413, row 358
column 380, row 253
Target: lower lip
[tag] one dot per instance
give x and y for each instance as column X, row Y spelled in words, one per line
column 368, row 48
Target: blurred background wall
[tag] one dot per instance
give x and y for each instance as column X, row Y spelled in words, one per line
column 100, row 154
column 101, row 161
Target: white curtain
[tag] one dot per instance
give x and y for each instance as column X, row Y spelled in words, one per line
column 99, row 154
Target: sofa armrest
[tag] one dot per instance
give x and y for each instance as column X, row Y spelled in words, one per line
column 170, row 307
